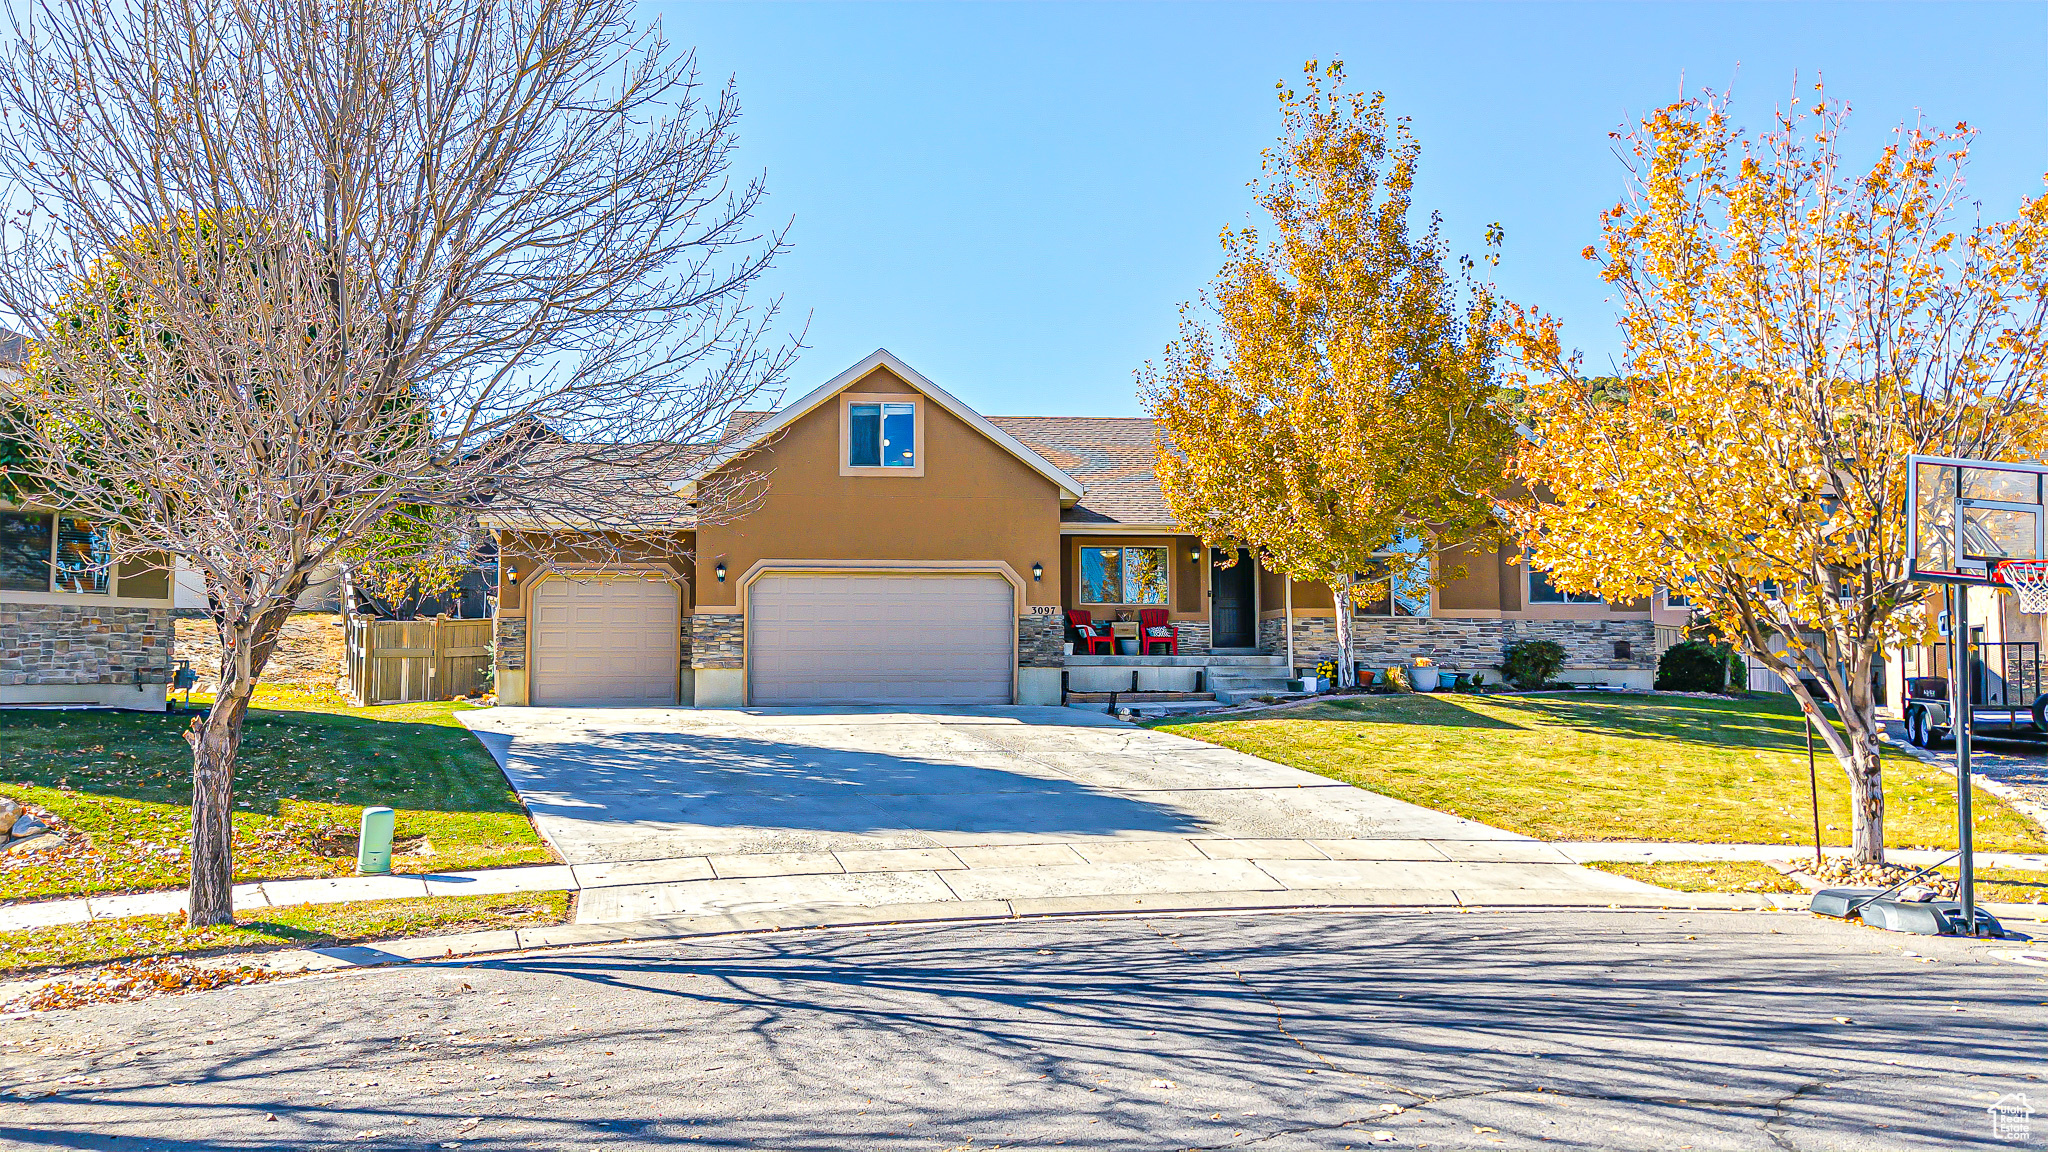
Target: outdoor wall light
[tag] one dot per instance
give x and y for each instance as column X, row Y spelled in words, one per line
column 511, row 574
column 1037, row 571
column 1194, row 555
column 720, row 571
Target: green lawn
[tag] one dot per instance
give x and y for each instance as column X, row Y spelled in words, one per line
column 1606, row 767
column 310, row 763
column 35, row 951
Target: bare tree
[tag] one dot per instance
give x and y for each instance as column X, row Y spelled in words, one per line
column 310, row 278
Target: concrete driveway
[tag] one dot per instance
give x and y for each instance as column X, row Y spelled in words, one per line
column 973, row 812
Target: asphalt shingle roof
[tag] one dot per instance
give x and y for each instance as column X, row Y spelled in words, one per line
column 1115, row 457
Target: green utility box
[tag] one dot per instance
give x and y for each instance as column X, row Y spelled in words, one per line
column 373, row 851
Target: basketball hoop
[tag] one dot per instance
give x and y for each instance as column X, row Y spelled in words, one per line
column 2028, row 578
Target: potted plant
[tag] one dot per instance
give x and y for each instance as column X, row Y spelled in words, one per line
column 1424, row 675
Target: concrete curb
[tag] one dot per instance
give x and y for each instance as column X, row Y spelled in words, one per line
column 507, row 942
column 973, row 912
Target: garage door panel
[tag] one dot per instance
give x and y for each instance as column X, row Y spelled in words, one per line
column 604, row 641
column 881, row 639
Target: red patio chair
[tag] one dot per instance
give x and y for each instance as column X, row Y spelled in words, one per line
column 1150, row 618
column 1081, row 622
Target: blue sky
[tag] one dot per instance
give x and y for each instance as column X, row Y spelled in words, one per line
column 1015, row 198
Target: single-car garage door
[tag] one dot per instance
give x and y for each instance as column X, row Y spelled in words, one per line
column 603, row 640
column 881, row 639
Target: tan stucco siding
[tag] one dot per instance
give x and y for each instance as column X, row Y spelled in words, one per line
column 528, row 553
column 1307, row 593
column 975, row 502
column 1478, row 589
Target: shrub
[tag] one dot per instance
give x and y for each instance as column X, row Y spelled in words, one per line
column 1532, row 663
column 1693, row 666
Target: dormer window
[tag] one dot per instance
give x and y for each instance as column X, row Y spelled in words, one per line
column 881, row 437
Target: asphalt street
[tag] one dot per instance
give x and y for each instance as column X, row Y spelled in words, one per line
column 1288, row 1031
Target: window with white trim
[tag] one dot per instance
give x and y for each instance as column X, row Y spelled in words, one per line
column 881, row 435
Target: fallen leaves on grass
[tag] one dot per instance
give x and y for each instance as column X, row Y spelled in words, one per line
column 134, row 980
column 303, row 926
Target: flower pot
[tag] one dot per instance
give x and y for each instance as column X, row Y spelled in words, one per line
column 1127, row 647
column 1424, row 679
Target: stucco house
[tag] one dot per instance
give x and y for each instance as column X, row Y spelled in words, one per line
column 911, row 550
column 76, row 629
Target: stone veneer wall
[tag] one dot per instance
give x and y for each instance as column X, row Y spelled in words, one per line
column 511, row 644
column 1590, row 643
column 1192, row 636
column 66, row 645
column 1041, row 641
column 717, row 640
column 1466, row 645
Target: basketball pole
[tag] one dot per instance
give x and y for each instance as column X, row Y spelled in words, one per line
column 1959, row 628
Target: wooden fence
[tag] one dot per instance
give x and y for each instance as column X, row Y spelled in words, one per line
column 391, row 661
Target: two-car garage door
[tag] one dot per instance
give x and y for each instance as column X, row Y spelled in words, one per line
column 880, row 639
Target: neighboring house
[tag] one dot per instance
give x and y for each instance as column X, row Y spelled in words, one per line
column 74, row 627
column 909, row 549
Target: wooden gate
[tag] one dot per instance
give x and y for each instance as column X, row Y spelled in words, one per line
column 393, row 661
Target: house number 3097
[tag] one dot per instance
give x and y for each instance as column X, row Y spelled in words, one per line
column 1045, row 609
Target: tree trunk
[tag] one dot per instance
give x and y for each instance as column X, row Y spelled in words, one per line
column 1347, row 664
column 1866, row 798
column 1857, row 706
column 210, row 896
column 1854, row 745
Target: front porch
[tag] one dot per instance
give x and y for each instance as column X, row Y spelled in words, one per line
column 1229, row 678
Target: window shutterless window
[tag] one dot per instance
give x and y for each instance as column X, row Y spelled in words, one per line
column 40, row 552
column 1405, row 595
column 881, row 435
column 85, row 557
column 25, row 551
column 1542, row 591
column 1123, row 575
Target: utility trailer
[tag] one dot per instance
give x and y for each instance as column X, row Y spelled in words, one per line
column 2009, row 698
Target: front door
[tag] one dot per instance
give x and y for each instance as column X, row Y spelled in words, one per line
column 1233, row 609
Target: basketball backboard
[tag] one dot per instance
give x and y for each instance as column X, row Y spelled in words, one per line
column 1964, row 517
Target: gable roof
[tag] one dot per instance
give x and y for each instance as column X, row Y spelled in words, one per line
column 1117, row 457
column 766, row 424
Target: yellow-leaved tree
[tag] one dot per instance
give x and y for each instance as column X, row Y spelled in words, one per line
column 1344, row 404
column 1794, row 329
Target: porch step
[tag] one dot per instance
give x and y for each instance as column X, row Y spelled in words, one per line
column 1136, row 697
column 1274, row 683
column 1155, row 708
column 1238, row 689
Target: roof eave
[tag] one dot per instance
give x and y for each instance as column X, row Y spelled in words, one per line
column 1071, row 490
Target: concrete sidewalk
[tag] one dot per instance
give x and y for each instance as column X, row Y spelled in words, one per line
column 970, row 883
column 282, row 893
